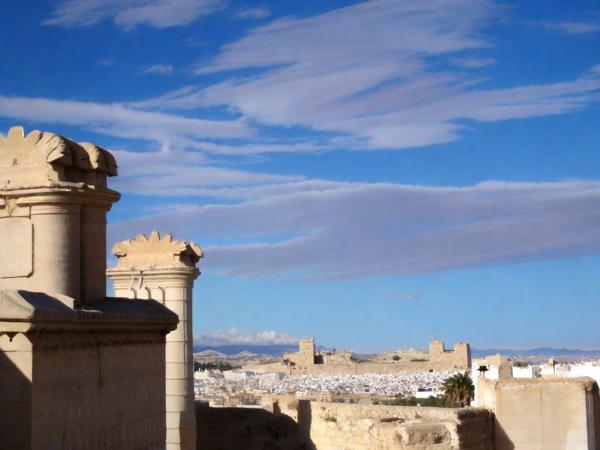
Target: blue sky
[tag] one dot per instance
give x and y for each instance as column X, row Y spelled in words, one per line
column 372, row 174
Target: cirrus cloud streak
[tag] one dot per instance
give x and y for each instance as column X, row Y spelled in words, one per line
column 321, row 230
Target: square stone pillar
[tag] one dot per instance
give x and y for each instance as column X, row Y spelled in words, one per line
column 165, row 270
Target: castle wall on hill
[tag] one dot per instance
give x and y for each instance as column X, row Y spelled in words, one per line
column 307, row 361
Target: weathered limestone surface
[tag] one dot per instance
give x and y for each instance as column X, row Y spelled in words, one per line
column 335, row 426
column 77, row 370
column 543, row 413
column 304, row 425
column 165, row 270
column 81, row 378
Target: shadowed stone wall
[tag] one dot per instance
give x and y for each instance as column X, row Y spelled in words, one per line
column 247, row 429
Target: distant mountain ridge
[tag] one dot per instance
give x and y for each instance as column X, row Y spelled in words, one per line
column 277, row 350
column 235, row 349
column 540, row 351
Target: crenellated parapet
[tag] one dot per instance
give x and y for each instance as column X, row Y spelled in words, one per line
column 41, row 158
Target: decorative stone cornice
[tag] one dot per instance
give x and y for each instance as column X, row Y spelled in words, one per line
column 23, row 311
column 143, row 253
column 41, row 158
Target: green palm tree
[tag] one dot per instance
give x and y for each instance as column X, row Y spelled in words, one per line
column 459, row 390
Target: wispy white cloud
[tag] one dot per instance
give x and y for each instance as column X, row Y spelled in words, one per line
column 128, row 14
column 366, row 31
column 375, row 75
column 160, row 69
column 177, row 173
column 259, row 12
column 425, row 109
column 235, row 336
column 371, row 73
column 118, row 120
column 353, row 230
column 575, row 27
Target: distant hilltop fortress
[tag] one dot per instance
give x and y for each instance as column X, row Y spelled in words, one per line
column 307, row 360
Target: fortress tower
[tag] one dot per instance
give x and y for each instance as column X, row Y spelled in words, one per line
column 307, row 351
column 436, row 350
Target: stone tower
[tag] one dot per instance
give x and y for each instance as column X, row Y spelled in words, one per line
column 436, row 350
column 462, row 355
column 165, row 270
column 307, row 351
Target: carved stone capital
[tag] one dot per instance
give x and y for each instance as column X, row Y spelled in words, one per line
column 43, row 158
column 152, row 253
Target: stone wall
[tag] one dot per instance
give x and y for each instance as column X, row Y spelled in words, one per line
column 334, row 426
column 247, row 429
column 98, row 392
column 355, row 368
column 549, row 414
column 81, row 378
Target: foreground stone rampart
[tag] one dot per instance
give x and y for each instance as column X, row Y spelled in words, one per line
column 334, row 426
